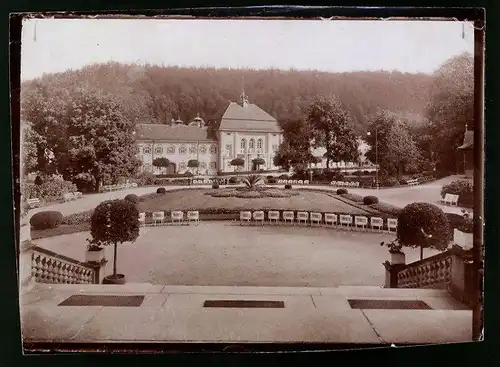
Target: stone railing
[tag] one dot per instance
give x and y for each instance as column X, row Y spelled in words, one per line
column 50, row 267
column 451, row 270
column 37, row 264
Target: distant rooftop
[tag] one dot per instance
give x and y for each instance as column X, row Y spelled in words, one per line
column 175, row 133
column 247, row 116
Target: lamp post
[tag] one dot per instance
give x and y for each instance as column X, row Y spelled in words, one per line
column 376, row 153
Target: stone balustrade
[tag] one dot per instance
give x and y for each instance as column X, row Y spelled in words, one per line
column 451, row 270
column 432, row 272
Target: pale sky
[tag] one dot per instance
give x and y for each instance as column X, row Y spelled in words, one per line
column 336, row 46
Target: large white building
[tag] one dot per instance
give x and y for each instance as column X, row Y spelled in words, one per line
column 245, row 131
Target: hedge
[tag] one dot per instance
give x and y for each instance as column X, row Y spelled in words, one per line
column 463, row 188
column 368, row 200
column 161, row 190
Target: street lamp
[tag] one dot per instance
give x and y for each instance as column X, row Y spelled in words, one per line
column 376, row 153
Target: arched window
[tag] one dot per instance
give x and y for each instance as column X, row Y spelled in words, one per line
column 192, row 149
column 158, row 150
column 182, row 166
column 182, row 149
column 259, row 144
column 203, row 149
column 251, row 144
column 243, row 144
column 171, row 149
column 146, row 150
column 203, row 165
column 213, row 149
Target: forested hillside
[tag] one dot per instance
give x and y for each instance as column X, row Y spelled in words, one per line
column 155, row 94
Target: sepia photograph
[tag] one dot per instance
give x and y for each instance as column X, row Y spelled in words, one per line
column 244, row 181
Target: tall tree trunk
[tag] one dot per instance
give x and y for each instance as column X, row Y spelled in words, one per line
column 97, row 184
column 114, row 259
column 421, row 253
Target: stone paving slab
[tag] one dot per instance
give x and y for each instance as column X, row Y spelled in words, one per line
column 241, row 290
column 421, row 326
column 179, row 316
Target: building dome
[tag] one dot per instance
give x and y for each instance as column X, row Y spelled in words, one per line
column 197, row 121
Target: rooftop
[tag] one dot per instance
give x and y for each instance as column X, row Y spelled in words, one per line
column 248, row 117
column 175, row 133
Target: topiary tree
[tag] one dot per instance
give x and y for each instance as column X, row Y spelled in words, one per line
column 423, row 225
column 193, row 163
column 114, row 222
column 258, row 162
column 38, row 180
column 237, row 162
column 342, row 191
column 161, row 190
column 161, row 162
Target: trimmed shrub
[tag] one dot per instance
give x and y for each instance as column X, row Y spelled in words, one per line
column 368, row 200
column 271, row 180
column 423, row 225
column 133, row 198
column 215, row 186
column 463, row 188
column 342, row 191
column 188, row 174
column 233, row 180
column 283, row 177
column 161, row 190
column 46, row 220
column 269, row 177
column 288, row 187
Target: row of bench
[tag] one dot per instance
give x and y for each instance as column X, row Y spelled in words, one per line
column 107, row 188
column 314, row 218
column 176, row 216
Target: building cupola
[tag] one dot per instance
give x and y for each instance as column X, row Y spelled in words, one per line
column 244, row 99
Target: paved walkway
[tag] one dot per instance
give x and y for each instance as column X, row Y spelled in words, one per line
column 225, row 253
column 176, row 314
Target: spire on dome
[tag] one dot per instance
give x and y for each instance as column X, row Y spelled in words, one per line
column 244, row 99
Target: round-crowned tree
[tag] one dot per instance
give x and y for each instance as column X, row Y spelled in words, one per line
column 237, row 162
column 423, row 225
column 133, row 198
column 258, row 162
column 114, row 222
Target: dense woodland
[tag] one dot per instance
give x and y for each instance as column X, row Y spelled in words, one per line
column 154, row 94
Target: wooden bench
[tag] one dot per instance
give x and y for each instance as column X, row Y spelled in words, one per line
column 450, row 199
column 34, row 203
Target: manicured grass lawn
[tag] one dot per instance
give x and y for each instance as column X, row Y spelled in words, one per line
column 196, row 199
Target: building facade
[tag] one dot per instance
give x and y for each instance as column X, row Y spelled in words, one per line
column 245, row 131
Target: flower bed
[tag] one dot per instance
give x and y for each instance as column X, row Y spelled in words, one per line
column 255, row 193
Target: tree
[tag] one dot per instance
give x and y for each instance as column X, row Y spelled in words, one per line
column 451, row 109
column 161, row 162
column 237, row 162
column 423, row 225
column 390, row 143
column 296, row 146
column 29, row 139
column 114, row 222
column 330, row 122
column 193, row 163
column 258, row 162
column 83, row 134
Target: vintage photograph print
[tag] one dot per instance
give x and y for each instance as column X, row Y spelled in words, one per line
column 249, row 181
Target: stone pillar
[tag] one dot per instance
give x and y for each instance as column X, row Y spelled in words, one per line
column 458, row 276
column 398, row 263
column 25, row 257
